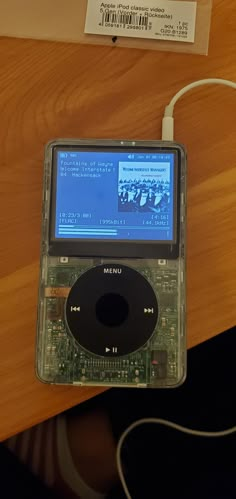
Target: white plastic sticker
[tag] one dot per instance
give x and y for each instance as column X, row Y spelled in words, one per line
column 159, row 19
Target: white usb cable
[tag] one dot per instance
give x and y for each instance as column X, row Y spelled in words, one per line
column 170, row 424
column 168, row 119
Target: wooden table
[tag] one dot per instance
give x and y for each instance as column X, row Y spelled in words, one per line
column 50, row 90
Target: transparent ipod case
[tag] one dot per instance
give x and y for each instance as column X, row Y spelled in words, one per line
column 60, row 359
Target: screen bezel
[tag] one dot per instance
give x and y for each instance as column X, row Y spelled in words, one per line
column 93, row 248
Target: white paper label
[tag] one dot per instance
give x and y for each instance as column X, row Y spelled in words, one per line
column 159, row 19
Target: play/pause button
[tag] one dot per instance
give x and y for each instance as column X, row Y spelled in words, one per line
column 112, row 350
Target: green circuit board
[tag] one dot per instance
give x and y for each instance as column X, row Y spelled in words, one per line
column 62, row 360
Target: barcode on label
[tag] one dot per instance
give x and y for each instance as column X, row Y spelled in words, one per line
column 114, row 17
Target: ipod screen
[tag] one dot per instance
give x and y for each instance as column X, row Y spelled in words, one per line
column 123, row 196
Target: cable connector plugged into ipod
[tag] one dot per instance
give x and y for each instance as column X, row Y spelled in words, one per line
column 168, row 119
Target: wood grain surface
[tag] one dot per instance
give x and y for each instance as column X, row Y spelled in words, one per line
column 50, row 90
